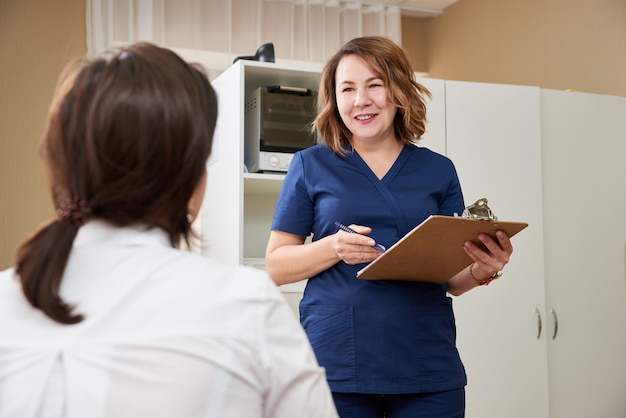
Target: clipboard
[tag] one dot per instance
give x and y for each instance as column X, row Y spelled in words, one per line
column 433, row 250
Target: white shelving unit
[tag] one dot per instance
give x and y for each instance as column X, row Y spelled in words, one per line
column 237, row 213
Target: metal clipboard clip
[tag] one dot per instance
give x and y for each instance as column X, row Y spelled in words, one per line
column 479, row 210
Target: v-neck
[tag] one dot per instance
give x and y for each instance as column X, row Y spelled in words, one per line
column 390, row 174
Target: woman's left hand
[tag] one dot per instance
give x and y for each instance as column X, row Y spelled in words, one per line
column 493, row 257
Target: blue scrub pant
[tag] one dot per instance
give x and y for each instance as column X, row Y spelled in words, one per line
column 448, row 404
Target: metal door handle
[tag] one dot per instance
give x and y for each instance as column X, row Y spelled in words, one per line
column 538, row 315
column 555, row 319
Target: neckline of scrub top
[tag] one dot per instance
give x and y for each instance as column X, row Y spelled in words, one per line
column 390, row 174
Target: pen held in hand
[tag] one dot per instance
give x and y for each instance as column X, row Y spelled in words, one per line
column 352, row 231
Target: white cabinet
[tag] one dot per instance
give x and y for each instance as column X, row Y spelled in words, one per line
column 435, row 135
column 584, row 193
column 494, row 139
column 556, row 160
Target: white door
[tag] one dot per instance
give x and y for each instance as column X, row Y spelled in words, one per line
column 584, row 170
column 494, row 139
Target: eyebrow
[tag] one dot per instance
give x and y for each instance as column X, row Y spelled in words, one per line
column 353, row 82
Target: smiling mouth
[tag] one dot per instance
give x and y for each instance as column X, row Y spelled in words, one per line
column 364, row 117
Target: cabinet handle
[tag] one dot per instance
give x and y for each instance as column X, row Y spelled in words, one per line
column 555, row 319
column 538, row 315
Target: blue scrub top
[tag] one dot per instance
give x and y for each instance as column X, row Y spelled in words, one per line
column 374, row 336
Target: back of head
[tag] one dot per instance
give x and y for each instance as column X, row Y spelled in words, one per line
column 129, row 134
column 127, row 140
column 392, row 64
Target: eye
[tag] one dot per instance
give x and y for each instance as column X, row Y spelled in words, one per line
column 347, row 89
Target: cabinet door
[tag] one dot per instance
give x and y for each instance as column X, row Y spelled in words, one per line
column 584, row 175
column 493, row 137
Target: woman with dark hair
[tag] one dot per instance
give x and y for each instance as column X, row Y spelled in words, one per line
column 388, row 347
column 103, row 314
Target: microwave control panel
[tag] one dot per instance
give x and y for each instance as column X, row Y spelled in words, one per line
column 274, row 161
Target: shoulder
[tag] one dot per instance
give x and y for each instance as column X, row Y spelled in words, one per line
column 311, row 162
column 7, row 274
column 9, row 282
column 212, row 275
column 316, row 151
column 426, row 154
column 181, row 287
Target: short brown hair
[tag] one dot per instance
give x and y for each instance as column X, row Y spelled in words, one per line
column 391, row 63
column 128, row 135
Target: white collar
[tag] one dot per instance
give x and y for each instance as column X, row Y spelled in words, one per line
column 99, row 231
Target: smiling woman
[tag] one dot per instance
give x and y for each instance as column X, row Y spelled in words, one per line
column 362, row 103
column 396, row 85
column 388, row 347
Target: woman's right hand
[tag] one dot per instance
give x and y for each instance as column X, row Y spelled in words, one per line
column 355, row 248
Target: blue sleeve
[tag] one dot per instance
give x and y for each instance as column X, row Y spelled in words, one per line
column 452, row 201
column 294, row 208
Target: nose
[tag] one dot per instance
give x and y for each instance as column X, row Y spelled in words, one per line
column 361, row 98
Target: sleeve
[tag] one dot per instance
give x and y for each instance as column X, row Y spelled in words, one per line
column 294, row 208
column 452, row 201
column 296, row 384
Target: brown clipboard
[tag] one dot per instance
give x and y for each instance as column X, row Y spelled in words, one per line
column 433, row 250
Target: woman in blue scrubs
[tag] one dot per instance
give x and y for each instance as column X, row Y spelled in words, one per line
column 388, row 347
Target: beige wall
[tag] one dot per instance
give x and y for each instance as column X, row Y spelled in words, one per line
column 414, row 40
column 557, row 44
column 37, row 38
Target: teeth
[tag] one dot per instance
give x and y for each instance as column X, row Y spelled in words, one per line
column 365, row 117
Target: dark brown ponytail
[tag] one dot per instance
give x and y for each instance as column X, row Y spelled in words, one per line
column 41, row 263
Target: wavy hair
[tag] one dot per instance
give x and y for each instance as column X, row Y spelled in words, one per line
column 391, row 63
column 128, row 137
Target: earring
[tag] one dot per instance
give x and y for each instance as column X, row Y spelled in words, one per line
column 189, row 218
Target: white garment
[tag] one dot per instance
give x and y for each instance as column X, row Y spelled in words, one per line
column 166, row 333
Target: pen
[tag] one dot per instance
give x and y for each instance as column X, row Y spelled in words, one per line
column 352, row 231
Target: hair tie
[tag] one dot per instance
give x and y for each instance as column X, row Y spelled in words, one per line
column 75, row 210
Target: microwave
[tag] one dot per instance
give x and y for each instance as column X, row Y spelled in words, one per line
column 277, row 124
